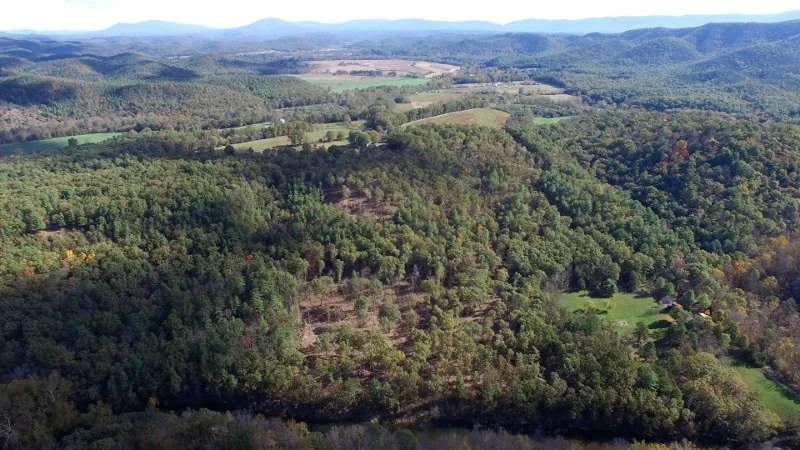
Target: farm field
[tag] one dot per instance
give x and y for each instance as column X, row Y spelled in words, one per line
column 489, row 117
column 313, row 137
column 775, row 397
column 54, row 143
column 341, row 83
column 401, row 67
column 461, row 91
column 626, row 311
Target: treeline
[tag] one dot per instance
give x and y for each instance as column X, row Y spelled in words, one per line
column 242, row 430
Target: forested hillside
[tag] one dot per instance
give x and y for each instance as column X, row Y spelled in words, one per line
column 400, row 278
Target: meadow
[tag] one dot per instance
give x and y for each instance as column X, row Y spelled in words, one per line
column 489, row 117
column 626, row 309
column 462, row 91
column 52, row 144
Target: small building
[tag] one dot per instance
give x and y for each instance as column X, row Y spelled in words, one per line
column 667, row 302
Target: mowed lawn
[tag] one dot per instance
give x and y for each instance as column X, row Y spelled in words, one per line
column 51, row 144
column 626, row 310
column 312, row 137
column 489, row 117
column 775, row 397
column 341, row 83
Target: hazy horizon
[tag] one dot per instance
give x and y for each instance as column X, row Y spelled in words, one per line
column 93, row 15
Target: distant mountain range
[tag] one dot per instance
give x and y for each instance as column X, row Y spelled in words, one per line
column 275, row 28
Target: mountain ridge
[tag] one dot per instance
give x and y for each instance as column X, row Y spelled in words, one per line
column 273, row 27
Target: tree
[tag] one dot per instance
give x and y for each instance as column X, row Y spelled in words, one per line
column 72, row 142
column 330, row 136
column 297, row 136
column 230, row 150
column 33, row 219
column 389, row 314
column 362, row 309
column 607, row 288
column 640, row 332
column 359, row 139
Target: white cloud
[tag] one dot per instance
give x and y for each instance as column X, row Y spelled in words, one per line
column 98, row 14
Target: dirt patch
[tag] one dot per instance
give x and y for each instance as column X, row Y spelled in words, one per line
column 359, row 204
column 320, row 312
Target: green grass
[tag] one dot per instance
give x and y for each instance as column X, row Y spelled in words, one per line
column 482, row 116
column 548, row 120
column 626, row 311
column 775, row 398
column 341, row 83
column 51, row 144
column 313, row 137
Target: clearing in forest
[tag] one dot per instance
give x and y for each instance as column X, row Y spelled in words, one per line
column 51, row 144
column 626, row 309
column 489, row 117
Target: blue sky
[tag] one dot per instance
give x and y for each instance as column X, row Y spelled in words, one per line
column 99, row 14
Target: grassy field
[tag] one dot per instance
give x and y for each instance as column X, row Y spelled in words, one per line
column 55, row 143
column 775, row 397
column 461, row 91
column 627, row 309
column 313, row 137
column 341, row 83
column 482, row 116
column 548, row 120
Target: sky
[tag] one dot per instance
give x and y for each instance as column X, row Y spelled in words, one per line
column 90, row 15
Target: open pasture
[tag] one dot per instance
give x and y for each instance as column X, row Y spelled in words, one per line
column 489, row 117
column 775, row 397
column 51, row 144
column 462, row 91
column 312, row 137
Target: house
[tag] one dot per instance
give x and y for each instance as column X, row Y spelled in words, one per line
column 667, row 302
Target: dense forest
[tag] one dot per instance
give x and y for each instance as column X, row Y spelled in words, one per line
column 167, row 289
